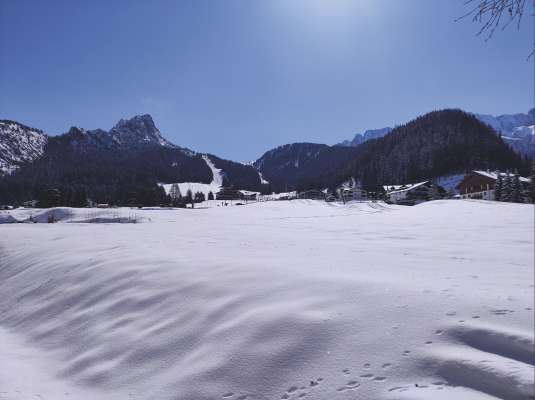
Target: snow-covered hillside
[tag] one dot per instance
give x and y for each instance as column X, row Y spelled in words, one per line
column 206, row 188
column 268, row 301
column 516, row 129
column 19, row 144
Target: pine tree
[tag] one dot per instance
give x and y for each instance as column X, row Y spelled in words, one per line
column 506, row 194
column 210, row 196
column 199, row 197
column 434, row 192
column 48, row 198
column 79, row 198
column 516, row 189
column 189, row 198
column 175, row 193
column 532, row 182
column 498, row 188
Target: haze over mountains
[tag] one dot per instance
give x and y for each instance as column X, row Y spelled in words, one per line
column 134, row 158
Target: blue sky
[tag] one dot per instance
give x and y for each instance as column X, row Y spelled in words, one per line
column 238, row 77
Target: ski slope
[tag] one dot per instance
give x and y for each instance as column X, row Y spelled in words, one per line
column 214, row 186
column 299, row 300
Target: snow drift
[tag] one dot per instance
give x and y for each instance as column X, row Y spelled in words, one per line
column 275, row 300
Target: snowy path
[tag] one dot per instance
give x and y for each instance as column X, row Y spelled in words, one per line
column 279, row 300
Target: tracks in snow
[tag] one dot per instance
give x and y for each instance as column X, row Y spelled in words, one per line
column 484, row 362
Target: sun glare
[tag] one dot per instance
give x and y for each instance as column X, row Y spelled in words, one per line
column 325, row 15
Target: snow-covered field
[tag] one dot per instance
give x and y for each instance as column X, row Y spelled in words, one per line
column 275, row 300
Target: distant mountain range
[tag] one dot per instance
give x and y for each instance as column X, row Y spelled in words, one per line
column 437, row 144
column 518, row 130
column 130, row 162
column 364, row 137
column 125, row 164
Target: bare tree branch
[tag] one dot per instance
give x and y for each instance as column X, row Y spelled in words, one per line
column 493, row 14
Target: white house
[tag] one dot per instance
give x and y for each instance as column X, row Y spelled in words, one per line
column 399, row 193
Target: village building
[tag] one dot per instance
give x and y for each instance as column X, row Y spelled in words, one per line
column 228, row 193
column 481, row 184
column 312, row 194
column 279, row 196
column 351, row 190
column 30, row 203
column 248, row 195
column 352, row 193
column 413, row 193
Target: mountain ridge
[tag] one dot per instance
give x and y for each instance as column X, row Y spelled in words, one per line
column 124, row 165
column 133, row 159
column 16, row 147
column 518, row 130
column 436, row 144
column 369, row 134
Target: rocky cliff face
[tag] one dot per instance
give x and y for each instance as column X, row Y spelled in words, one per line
column 139, row 130
column 19, row 144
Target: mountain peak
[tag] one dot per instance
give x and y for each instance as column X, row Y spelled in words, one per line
column 138, row 130
column 75, row 131
column 137, row 120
